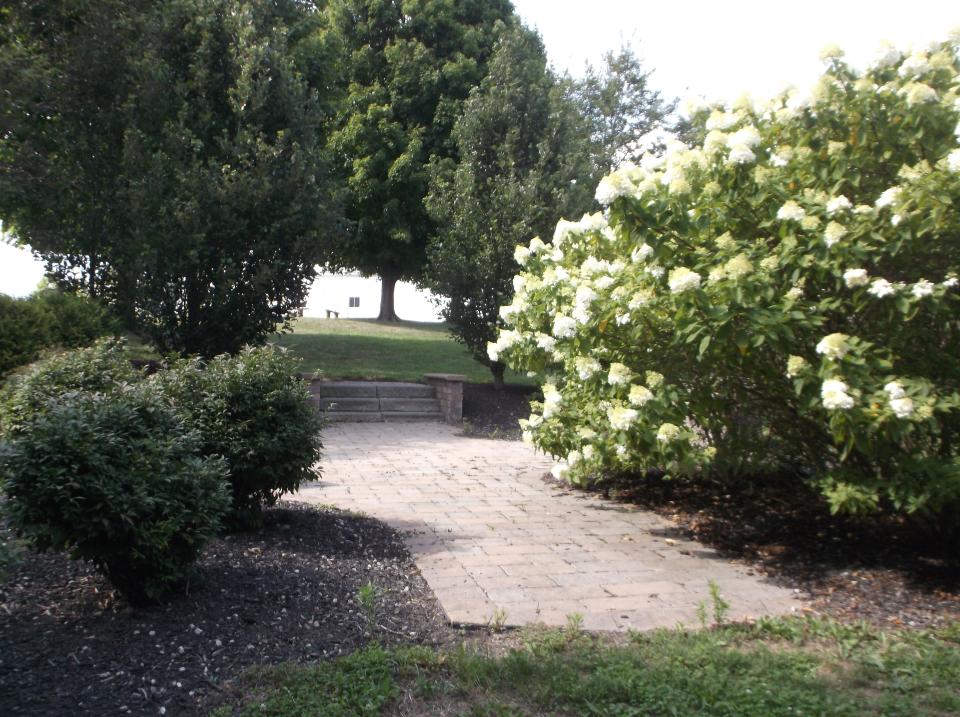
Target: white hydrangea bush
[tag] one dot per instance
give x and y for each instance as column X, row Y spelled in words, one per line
column 783, row 297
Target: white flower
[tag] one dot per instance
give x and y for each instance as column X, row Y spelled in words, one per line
column 831, row 52
column 888, row 198
column 881, row 288
column 588, row 451
column 886, row 56
column 834, row 233
column 593, row 222
column 837, row 204
column 953, row 161
column 746, row 136
column 902, row 407
column 639, row 395
column 586, row 367
column 563, row 232
column 537, row 245
column 547, row 343
column 741, row 154
column 950, row 282
column 667, row 433
column 896, row 219
column 507, row 311
column 493, row 351
column 720, row 120
column 922, row 288
column 521, row 254
column 552, row 400
column 682, row 279
column 573, row 457
column 618, row 375
column 621, row 451
column 641, row 253
column 642, row 297
column 653, row 379
column 795, row 294
column 778, row 160
column 915, row 65
column 795, row 366
column 856, row 277
column 621, row 417
column 613, row 186
column 557, row 257
column 714, row 142
column 894, row 389
column 834, row 395
column 605, row 282
column 833, row 346
column 738, row 267
column 564, row 327
column 560, row 470
column 791, row 211
column 918, row 93
column 519, row 281
column 655, row 271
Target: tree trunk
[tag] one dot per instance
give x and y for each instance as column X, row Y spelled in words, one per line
column 388, row 283
column 497, row 369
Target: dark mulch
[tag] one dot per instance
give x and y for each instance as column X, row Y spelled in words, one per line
column 881, row 569
column 492, row 413
column 69, row 646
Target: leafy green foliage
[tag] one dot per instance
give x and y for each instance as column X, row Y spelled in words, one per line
column 783, row 298
column 522, row 150
column 45, row 319
column 119, row 481
column 167, row 157
column 102, row 368
column 252, row 409
column 408, row 65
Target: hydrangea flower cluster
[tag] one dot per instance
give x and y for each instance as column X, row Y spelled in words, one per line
column 771, row 297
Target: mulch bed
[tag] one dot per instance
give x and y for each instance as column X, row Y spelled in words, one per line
column 69, row 646
column 492, row 413
column 880, row 569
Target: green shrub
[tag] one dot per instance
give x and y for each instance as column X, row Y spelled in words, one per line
column 117, row 479
column 75, row 320
column 24, row 332
column 46, row 319
column 784, row 297
column 101, row 368
column 252, row 409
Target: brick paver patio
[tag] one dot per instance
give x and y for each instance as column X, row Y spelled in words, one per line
column 494, row 541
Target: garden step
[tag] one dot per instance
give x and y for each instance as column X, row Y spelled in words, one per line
column 421, row 405
column 355, row 416
column 345, row 403
column 404, row 390
column 401, row 416
column 344, row 389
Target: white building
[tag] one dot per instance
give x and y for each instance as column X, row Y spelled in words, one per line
column 357, row 297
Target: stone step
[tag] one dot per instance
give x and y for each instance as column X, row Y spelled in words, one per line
column 410, row 405
column 402, row 416
column 355, row 416
column 342, row 403
column 404, row 390
column 344, row 389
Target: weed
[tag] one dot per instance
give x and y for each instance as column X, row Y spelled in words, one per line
column 367, row 597
column 498, row 620
column 720, row 606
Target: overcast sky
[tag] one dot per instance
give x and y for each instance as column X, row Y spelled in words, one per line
column 716, row 50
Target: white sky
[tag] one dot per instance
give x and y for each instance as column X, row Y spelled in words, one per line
column 716, row 50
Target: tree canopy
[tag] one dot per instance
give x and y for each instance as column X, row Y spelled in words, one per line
column 167, row 157
column 407, row 66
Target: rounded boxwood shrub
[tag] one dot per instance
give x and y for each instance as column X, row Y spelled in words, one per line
column 253, row 410
column 101, row 368
column 119, row 480
column 24, row 332
column 782, row 297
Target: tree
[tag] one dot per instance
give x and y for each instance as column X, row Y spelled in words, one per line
column 408, row 65
column 169, row 158
column 622, row 107
column 522, row 152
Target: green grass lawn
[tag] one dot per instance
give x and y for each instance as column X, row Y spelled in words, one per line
column 367, row 349
column 776, row 667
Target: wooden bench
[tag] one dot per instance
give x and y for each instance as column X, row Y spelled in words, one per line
column 332, row 312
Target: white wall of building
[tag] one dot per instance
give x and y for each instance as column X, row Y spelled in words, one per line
column 333, row 291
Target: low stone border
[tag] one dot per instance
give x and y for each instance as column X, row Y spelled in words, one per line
column 449, row 390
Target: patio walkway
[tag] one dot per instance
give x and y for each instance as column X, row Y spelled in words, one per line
column 496, row 542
